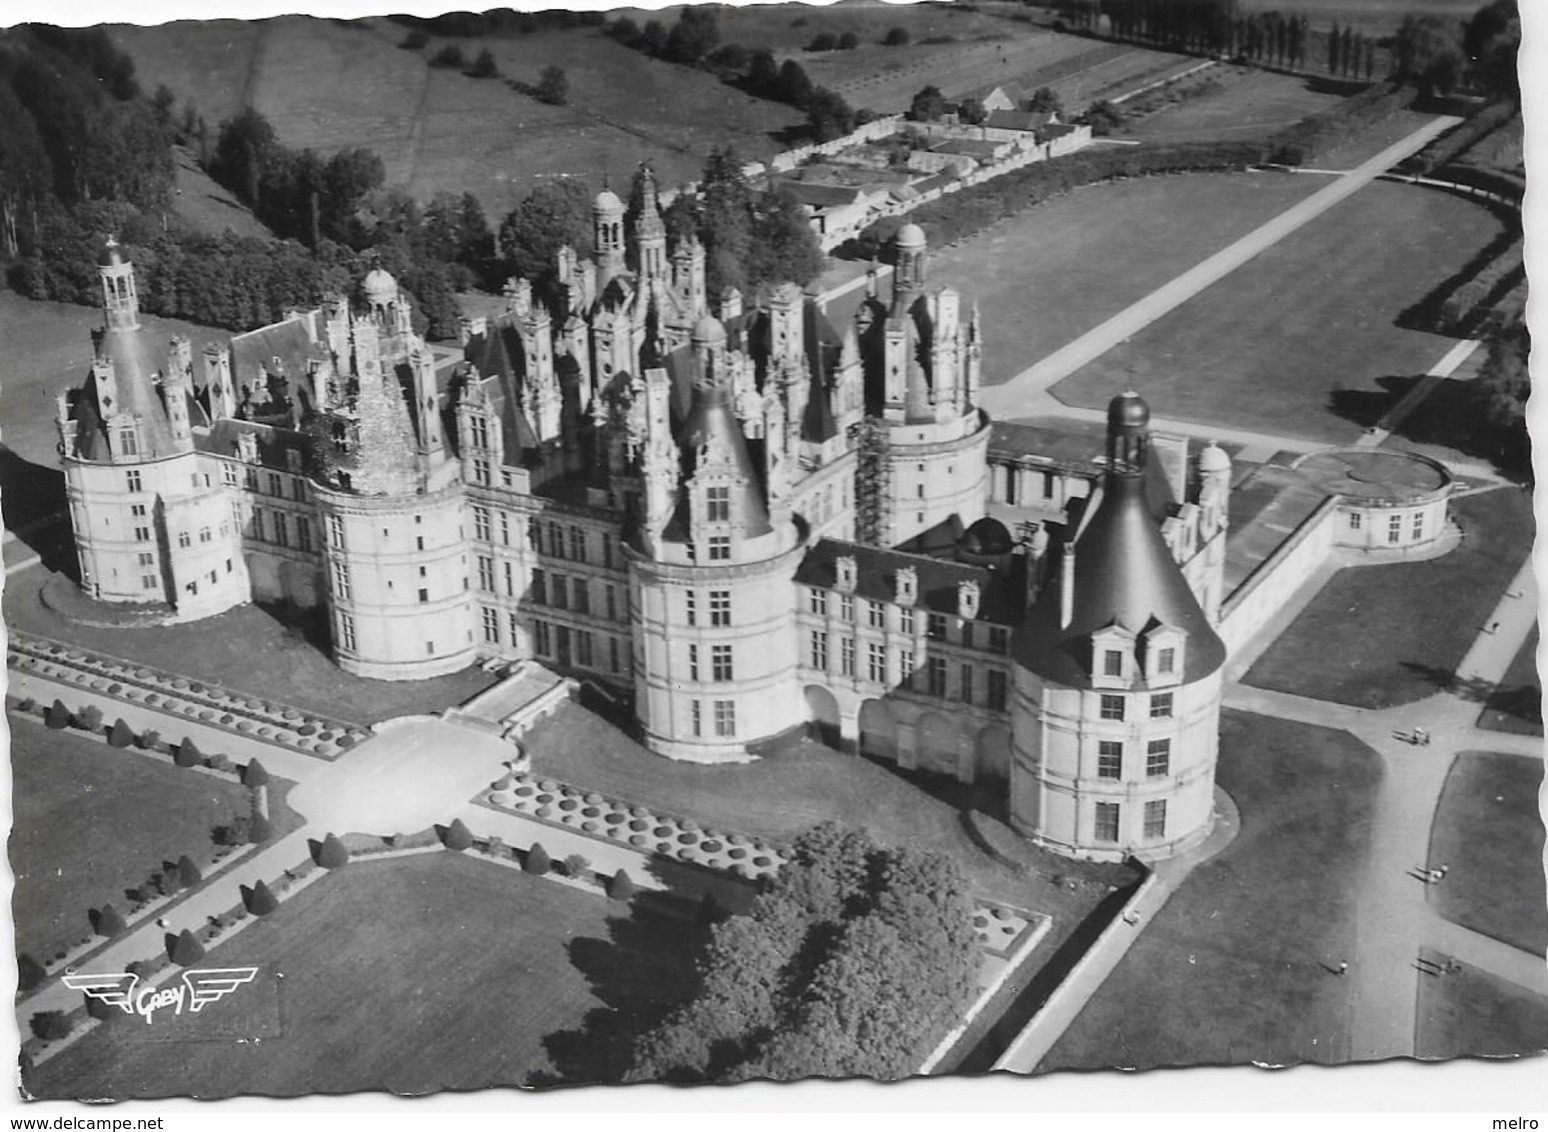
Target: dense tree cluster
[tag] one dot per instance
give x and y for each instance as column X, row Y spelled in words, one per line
column 1491, row 41
column 853, row 963
column 1504, row 377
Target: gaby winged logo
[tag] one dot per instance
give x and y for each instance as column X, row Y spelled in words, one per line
column 198, row 989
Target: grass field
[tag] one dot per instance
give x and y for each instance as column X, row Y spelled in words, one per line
column 207, row 207
column 1303, row 340
column 457, row 970
column 1247, row 103
column 1516, row 704
column 246, row 650
column 328, row 84
column 1253, row 927
column 92, row 821
column 1471, row 1013
column 1050, row 274
column 779, row 796
column 1399, row 631
column 1489, row 830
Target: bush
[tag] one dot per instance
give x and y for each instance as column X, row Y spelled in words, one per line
column 484, row 66
column 576, row 865
column 826, row 41
column 261, row 901
column 121, row 735
column 332, row 854
column 553, row 87
column 149, row 740
column 536, row 861
column 187, row 754
column 51, row 1025
column 448, row 56
column 848, row 41
column 188, row 872
column 29, row 973
column 186, row 950
column 110, row 922
column 414, row 40
column 896, row 37
column 57, row 717
column 27, row 704
column 89, row 718
column 457, row 837
column 622, row 886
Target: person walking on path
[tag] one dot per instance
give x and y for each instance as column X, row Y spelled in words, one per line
column 1343, row 967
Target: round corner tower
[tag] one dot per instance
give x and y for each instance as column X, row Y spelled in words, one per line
column 1115, row 718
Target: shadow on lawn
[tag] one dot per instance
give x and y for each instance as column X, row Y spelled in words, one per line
column 643, row 971
column 32, row 498
column 1454, row 415
column 1524, row 701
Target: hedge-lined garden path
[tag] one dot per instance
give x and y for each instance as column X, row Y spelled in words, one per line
column 1027, row 393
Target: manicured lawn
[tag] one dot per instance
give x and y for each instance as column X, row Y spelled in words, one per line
column 1516, row 704
column 247, row 650
column 1048, row 275
column 779, row 796
column 1304, row 340
column 1471, row 1013
column 91, row 821
column 1489, row 832
column 1231, row 969
column 1378, row 636
column 415, row 975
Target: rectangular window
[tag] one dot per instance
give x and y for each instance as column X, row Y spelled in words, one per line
column 556, row 540
column 424, row 597
column 1394, row 528
column 691, row 607
column 965, row 689
column 1112, row 707
column 612, row 603
column 1112, row 662
column 539, row 593
column 510, row 579
column 878, row 662
column 1161, row 705
column 997, row 690
column 142, row 534
column 607, row 550
column 514, row 626
column 347, row 631
column 719, row 548
column 535, row 537
column 184, row 539
column 276, row 485
column 137, row 510
column 717, row 504
column 542, row 638
column 228, row 474
column 819, row 601
column 720, row 607
column 479, row 427
column 148, row 581
column 1107, row 821
column 906, row 621
column 847, row 656
column 336, row 532
column 583, row 648
column 559, row 591
column 486, row 573
column 1166, row 661
column 612, row 654
column 720, row 663
column 1418, row 525
column 147, row 559
column 132, row 480
column 505, row 528
column 281, row 529
column 297, row 487
column 1109, row 759
column 937, row 676
column 481, row 470
column 1158, row 758
column 580, row 591
column 1354, row 520
column 250, row 479
column 820, row 651
column 999, row 639
column 876, row 614
column 480, row 523
column 846, row 607
column 937, row 627
column 725, row 718
column 906, row 667
column 341, row 580
column 1155, row 818
column 696, row 716
column 303, row 533
column 491, row 625
column 967, row 634
column 577, row 544
column 693, row 662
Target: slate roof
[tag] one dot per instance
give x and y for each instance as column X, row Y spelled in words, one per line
column 273, row 443
column 253, row 354
column 876, row 569
column 136, row 362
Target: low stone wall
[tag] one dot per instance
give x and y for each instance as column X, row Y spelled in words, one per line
column 1263, row 594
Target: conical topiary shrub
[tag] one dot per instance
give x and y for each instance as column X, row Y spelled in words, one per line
column 187, row 753
column 332, row 854
column 187, row 950
column 254, row 774
column 262, row 901
column 122, row 734
column 536, row 862
column 457, row 836
column 57, row 716
column 622, row 887
column 188, row 872
column 29, row 973
column 110, row 921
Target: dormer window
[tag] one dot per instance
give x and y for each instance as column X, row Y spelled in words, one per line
column 1164, row 656
column 907, row 586
column 846, row 571
column 1112, row 657
column 1112, row 662
column 967, row 600
column 717, row 504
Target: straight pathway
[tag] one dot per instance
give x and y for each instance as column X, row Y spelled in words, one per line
column 1422, row 388
column 1020, row 394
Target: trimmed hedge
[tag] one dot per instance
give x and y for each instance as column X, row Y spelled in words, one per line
column 187, row 754
column 187, row 950
column 332, row 854
column 1461, row 138
column 122, row 735
column 51, row 1025
column 1317, row 133
column 255, row 774
column 457, row 838
column 622, row 886
column 188, row 872
column 110, row 921
column 57, row 717
column 262, row 900
column 536, row 861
